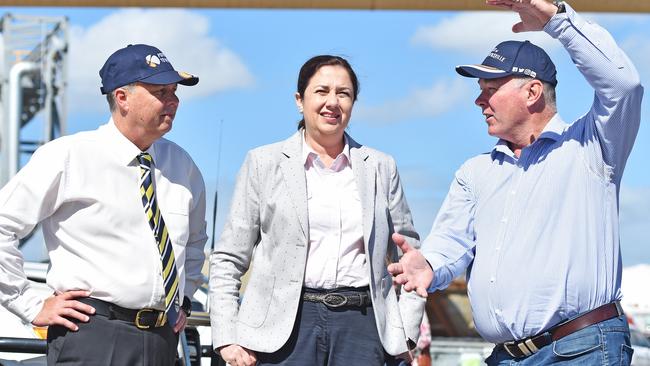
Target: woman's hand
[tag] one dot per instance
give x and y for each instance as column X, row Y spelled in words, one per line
column 236, row 355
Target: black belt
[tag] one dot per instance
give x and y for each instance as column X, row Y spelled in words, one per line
column 142, row 318
column 339, row 298
column 528, row 346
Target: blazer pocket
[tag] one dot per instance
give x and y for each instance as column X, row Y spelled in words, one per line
column 256, row 301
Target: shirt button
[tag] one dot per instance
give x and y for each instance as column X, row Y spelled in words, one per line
column 497, row 311
column 492, row 279
column 497, row 248
column 513, row 192
column 504, row 220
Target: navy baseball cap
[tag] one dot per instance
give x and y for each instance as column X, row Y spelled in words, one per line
column 513, row 58
column 140, row 62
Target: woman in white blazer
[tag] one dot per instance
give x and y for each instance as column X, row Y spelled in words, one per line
column 311, row 219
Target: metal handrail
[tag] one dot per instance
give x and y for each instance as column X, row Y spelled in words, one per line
column 22, row 345
column 199, row 319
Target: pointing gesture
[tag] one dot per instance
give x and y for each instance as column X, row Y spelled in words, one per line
column 412, row 271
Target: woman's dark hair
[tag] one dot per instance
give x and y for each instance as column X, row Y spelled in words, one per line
column 312, row 65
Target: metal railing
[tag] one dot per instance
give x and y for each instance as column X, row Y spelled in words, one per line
column 22, row 345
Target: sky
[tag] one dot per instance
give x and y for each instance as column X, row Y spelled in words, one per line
column 411, row 105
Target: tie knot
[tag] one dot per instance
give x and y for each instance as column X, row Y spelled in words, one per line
column 145, row 159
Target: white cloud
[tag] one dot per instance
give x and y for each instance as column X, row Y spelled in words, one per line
column 475, row 33
column 182, row 35
column 429, row 102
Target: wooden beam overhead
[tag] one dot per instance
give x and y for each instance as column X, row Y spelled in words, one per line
column 638, row 6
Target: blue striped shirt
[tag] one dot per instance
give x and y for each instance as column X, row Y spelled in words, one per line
column 539, row 234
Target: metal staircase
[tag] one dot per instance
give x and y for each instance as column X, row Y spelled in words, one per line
column 33, row 89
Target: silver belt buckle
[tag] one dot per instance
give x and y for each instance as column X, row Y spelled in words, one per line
column 334, row 300
column 526, row 347
column 619, row 309
column 507, row 345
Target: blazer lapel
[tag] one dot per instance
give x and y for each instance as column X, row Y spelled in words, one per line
column 365, row 177
column 293, row 170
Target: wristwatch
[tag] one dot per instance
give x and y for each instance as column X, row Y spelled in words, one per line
column 187, row 306
column 561, row 8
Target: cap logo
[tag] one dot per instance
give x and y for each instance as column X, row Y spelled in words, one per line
column 152, row 60
column 155, row 60
column 527, row 72
column 496, row 56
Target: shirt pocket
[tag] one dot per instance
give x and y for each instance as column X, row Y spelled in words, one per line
column 177, row 221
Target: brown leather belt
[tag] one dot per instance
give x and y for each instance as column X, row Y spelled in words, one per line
column 528, row 346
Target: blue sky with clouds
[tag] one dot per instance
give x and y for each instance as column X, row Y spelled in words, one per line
column 412, row 104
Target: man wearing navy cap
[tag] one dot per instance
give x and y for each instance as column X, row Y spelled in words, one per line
column 535, row 221
column 123, row 217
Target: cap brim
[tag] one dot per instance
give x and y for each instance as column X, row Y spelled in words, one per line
column 171, row 77
column 480, row 71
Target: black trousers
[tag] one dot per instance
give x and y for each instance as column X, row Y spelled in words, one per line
column 104, row 342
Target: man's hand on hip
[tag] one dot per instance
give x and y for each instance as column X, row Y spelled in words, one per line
column 412, row 271
column 236, row 355
column 59, row 308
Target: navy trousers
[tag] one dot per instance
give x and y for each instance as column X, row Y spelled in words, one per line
column 331, row 337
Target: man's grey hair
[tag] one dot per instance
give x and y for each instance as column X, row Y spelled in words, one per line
column 549, row 91
column 110, row 97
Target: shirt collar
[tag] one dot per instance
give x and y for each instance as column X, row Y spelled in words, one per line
column 553, row 130
column 124, row 150
column 309, row 155
column 502, row 147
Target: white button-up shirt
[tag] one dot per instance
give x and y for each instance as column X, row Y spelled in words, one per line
column 84, row 189
column 336, row 256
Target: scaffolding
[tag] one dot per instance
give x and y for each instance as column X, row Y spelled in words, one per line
column 33, row 90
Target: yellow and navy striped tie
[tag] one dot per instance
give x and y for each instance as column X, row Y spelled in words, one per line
column 170, row 275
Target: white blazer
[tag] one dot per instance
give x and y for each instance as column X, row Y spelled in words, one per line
column 268, row 225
